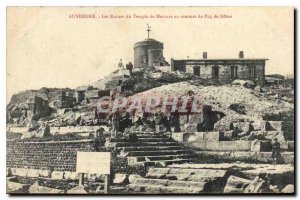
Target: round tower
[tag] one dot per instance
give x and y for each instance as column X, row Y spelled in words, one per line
column 146, row 52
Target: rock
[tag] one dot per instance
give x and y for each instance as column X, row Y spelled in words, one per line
column 37, row 189
column 274, row 188
column 44, row 173
column 28, row 135
column 57, row 175
column 19, row 172
column 258, row 89
column 236, row 184
column 13, row 187
column 120, row 179
column 133, row 177
column 258, row 185
column 33, row 173
column 290, row 188
column 71, row 175
column 77, row 190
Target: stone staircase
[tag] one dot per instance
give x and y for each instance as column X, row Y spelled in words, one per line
column 152, row 150
column 180, row 180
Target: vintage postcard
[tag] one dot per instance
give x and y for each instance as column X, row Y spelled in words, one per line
column 150, row 100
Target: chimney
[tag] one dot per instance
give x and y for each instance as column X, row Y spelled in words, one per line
column 241, row 54
column 204, row 55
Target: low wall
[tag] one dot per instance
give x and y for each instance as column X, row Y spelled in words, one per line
column 220, row 145
column 75, row 129
column 52, row 155
column 257, row 157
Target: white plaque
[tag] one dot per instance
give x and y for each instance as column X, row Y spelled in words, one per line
column 93, row 162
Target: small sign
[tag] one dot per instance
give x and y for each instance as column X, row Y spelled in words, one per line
column 93, row 162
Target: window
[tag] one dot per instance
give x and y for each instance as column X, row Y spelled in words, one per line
column 252, row 71
column 215, row 71
column 196, row 70
column 233, row 72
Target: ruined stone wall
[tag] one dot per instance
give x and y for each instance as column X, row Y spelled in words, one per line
column 54, row 155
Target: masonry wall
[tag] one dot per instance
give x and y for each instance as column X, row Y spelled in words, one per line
column 53, row 155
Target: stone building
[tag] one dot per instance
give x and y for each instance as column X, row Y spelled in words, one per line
column 149, row 53
column 224, row 70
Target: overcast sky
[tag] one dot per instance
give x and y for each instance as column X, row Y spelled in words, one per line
column 47, row 48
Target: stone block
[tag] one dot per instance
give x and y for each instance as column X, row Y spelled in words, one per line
column 288, row 189
column 120, row 179
column 33, row 173
column 36, row 189
column 57, row 175
column 213, row 136
column 260, row 125
column 257, row 185
column 77, row 190
column 236, row 145
column 236, row 184
column 17, row 188
column 19, row 172
column 71, row 175
column 133, row 177
column 197, row 136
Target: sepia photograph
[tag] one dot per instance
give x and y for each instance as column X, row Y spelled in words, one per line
column 150, row 100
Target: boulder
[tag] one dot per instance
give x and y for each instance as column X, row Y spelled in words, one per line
column 133, row 177
column 120, row 179
column 290, row 188
column 57, row 175
column 13, row 187
column 236, row 184
column 258, row 185
column 37, row 189
column 274, row 188
column 77, row 190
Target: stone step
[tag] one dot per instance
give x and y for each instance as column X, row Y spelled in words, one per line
column 166, row 182
column 150, row 148
column 186, row 173
column 133, row 144
column 153, row 189
column 163, row 157
column 150, row 136
column 157, row 153
column 142, row 140
column 165, row 162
